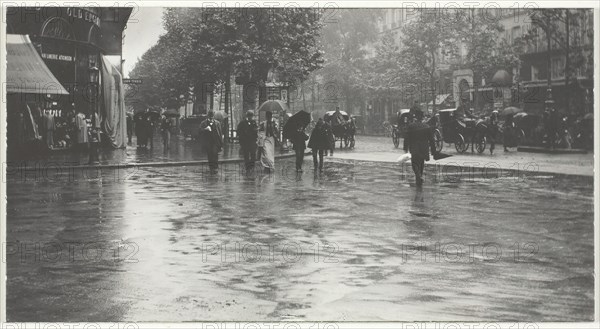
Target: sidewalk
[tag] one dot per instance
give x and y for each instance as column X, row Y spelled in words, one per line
column 368, row 148
column 565, row 164
column 181, row 152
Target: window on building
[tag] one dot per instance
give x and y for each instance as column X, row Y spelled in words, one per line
column 558, row 67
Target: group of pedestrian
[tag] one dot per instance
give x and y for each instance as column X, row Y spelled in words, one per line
column 144, row 130
column 257, row 142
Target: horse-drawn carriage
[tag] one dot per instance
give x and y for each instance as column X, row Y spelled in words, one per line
column 462, row 132
column 343, row 129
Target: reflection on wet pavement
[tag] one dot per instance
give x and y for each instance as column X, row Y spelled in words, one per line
column 357, row 242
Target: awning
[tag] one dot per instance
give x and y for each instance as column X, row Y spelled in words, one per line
column 26, row 71
column 439, row 99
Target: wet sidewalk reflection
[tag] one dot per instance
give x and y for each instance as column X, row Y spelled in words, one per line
column 356, row 242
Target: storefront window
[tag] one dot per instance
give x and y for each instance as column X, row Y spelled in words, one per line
column 57, row 27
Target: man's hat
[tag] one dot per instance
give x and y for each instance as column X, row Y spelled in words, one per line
column 249, row 113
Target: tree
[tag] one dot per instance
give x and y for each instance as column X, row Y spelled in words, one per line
column 159, row 70
column 425, row 39
column 204, row 46
column 345, row 39
column 479, row 32
column 389, row 73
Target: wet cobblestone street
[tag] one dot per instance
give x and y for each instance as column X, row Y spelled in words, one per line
column 357, row 242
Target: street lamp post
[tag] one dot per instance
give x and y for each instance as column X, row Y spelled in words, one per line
column 95, row 133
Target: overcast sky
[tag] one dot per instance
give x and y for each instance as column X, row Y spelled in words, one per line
column 143, row 29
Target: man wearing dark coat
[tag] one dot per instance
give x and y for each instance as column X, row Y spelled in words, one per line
column 247, row 131
column 419, row 142
column 129, row 128
column 298, row 139
column 213, row 140
column 319, row 143
column 415, row 111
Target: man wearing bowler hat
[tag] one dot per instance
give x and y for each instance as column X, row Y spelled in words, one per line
column 247, row 131
column 213, row 140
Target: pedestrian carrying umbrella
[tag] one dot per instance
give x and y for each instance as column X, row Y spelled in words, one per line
column 274, row 106
column 511, row 110
column 300, row 119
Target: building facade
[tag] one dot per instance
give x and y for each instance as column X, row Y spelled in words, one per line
column 71, row 40
column 74, row 46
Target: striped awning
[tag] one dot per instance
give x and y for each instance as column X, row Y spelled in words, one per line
column 26, row 71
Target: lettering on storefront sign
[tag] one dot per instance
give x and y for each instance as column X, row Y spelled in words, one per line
column 132, row 81
column 57, row 57
column 86, row 15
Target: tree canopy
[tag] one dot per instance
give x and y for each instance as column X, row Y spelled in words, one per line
column 203, row 46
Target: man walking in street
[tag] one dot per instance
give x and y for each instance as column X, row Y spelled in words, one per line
column 419, row 142
column 414, row 112
column 299, row 143
column 247, row 131
column 213, row 140
column 165, row 127
column 319, row 142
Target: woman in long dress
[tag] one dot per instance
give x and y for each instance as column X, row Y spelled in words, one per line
column 268, row 135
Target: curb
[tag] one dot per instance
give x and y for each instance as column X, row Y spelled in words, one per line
column 281, row 156
column 520, row 172
column 147, row 164
column 534, row 149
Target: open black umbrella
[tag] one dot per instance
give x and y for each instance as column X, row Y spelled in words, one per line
column 154, row 116
column 138, row 116
column 300, row 119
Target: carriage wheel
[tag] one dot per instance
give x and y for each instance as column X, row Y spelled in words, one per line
column 481, row 144
column 460, row 145
column 439, row 142
column 395, row 139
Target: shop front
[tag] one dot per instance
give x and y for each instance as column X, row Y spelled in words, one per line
column 73, row 44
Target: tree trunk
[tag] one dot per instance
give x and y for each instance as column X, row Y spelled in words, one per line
column 228, row 120
column 549, row 59
column 432, row 82
column 255, row 88
column 249, row 97
column 312, row 95
column 567, row 65
column 476, row 97
column 303, row 97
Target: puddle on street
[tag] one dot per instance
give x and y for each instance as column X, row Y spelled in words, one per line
column 356, row 242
